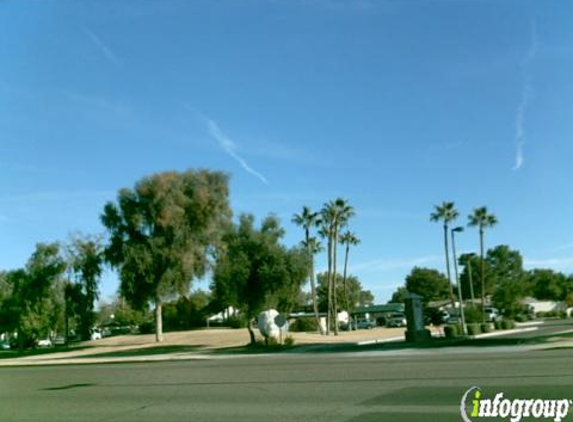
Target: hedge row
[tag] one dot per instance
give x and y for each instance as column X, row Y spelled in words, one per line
column 451, row 331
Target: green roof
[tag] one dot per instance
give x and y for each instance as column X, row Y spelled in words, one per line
column 389, row 307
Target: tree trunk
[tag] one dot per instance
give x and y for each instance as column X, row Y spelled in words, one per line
column 452, row 299
column 158, row 321
column 313, row 294
column 251, row 332
column 329, row 284
column 346, row 305
column 334, row 280
column 20, row 337
column 312, row 283
column 482, row 275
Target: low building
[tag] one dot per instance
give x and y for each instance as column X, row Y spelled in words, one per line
column 544, row 306
column 377, row 313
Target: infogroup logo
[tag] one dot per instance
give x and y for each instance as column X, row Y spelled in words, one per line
column 515, row 410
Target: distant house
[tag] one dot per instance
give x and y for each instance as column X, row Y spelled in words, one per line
column 377, row 313
column 224, row 315
column 546, row 306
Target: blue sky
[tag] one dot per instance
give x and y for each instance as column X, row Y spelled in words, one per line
column 395, row 105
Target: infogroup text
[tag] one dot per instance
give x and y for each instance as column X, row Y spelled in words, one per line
column 474, row 407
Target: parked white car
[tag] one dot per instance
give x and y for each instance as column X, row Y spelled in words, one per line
column 45, row 343
column 492, row 314
column 96, row 334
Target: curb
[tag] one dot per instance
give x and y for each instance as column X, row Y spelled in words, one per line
column 504, row 332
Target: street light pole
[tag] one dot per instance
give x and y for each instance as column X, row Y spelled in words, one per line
column 458, row 229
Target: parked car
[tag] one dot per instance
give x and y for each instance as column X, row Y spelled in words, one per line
column 396, row 320
column 364, row 324
column 492, row 315
column 45, row 343
column 453, row 319
column 60, row 341
column 5, row 345
column 96, row 334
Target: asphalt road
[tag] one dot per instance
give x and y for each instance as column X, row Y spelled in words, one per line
column 406, row 386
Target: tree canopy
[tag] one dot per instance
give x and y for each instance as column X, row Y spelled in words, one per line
column 162, row 231
column 354, row 292
column 428, row 283
column 255, row 272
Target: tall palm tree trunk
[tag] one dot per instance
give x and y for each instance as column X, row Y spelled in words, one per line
column 313, row 294
column 482, row 276
column 311, row 278
column 329, row 284
column 334, row 282
column 447, row 250
column 344, row 285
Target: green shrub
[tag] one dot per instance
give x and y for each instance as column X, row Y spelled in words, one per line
column 289, row 341
column 303, row 325
column 271, row 342
column 520, row 318
column 236, row 321
column 451, row 331
column 498, row 325
column 552, row 314
column 472, row 314
column 474, row 329
column 486, row 327
column 507, row 324
column 147, row 327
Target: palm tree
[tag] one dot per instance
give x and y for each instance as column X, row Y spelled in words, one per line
column 446, row 213
column 347, row 238
column 325, row 231
column 336, row 214
column 308, row 219
column 482, row 219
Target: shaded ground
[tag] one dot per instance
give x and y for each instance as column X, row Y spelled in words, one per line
column 206, row 341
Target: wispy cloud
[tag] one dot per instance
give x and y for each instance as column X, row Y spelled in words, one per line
column 103, row 48
column 229, row 146
column 526, row 97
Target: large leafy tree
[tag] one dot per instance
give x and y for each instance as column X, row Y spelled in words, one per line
column 471, row 275
column 34, row 306
column 162, row 231
column 482, row 219
column 119, row 312
column 308, row 220
column 256, row 272
column 355, row 294
column 508, row 281
column 545, row 284
column 399, row 295
column 85, row 265
column 428, row 283
column 446, row 213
